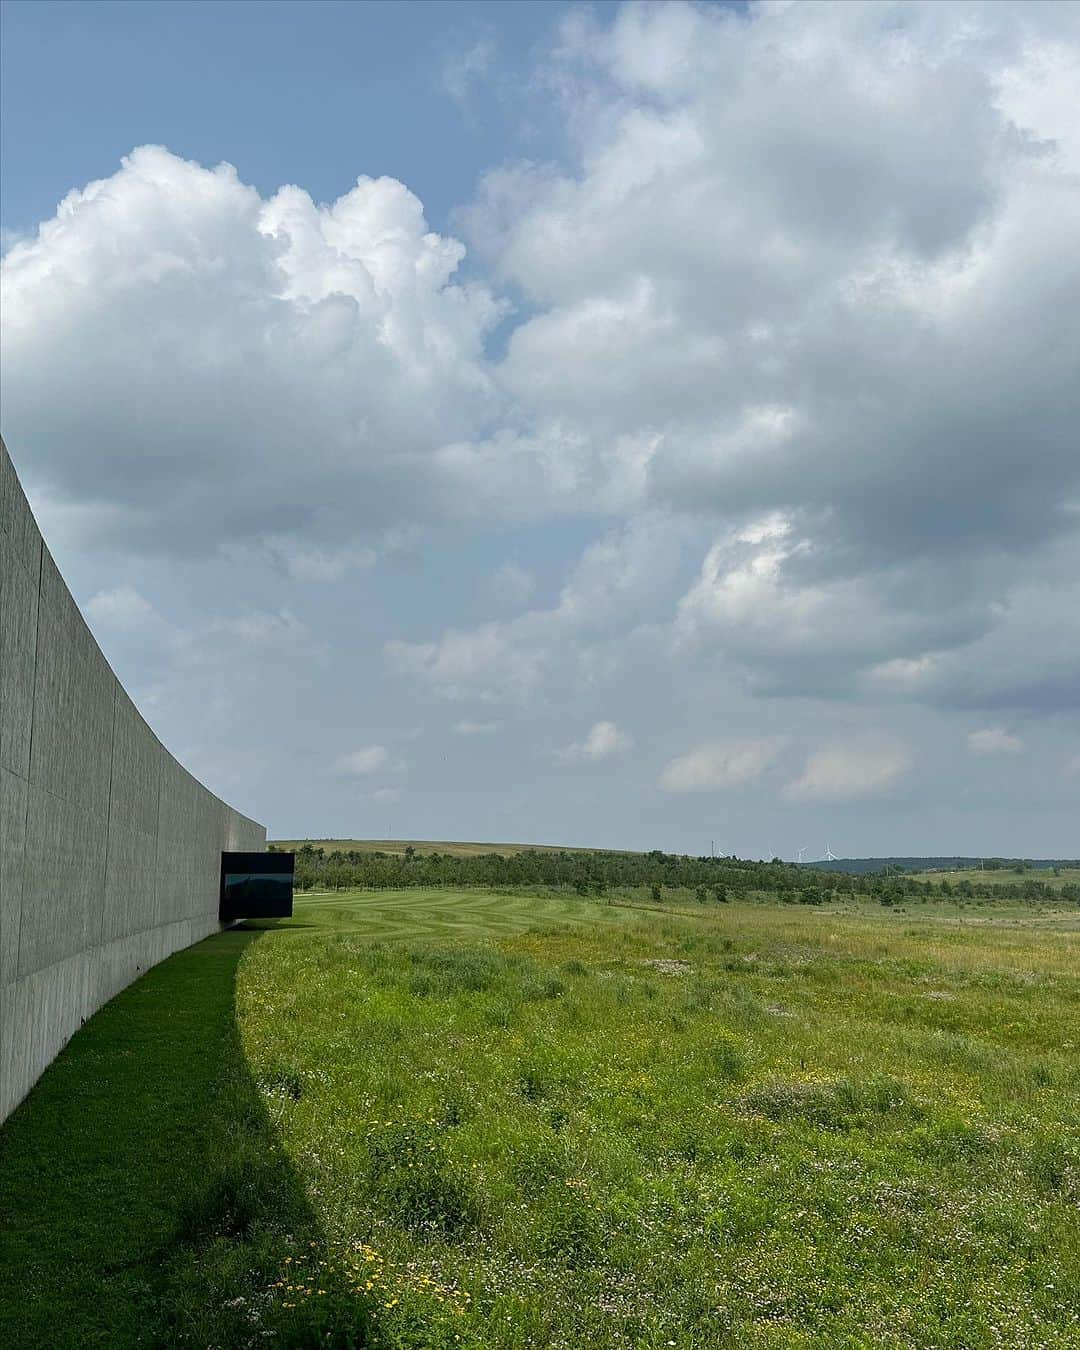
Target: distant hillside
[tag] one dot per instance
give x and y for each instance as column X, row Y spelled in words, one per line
column 424, row 847
column 864, row 866
column 396, row 864
column 853, row 866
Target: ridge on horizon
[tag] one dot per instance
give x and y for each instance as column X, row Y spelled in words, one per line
column 910, row 862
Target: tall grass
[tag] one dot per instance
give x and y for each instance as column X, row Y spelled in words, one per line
column 739, row 1125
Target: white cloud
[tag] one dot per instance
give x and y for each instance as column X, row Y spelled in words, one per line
column 994, row 741
column 307, row 562
column 902, row 674
column 483, row 662
column 513, row 584
column 604, row 740
column 467, row 728
column 240, row 370
column 720, row 765
column 788, row 400
column 622, row 579
column 462, row 69
column 260, row 626
column 851, row 771
column 1038, row 94
column 765, row 597
column 1071, row 767
column 386, row 796
column 696, row 288
column 703, row 331
column 122, row 608
column 357, row 763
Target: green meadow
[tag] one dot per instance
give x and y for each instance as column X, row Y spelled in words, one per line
column 483, row 1119
column 1056, row 877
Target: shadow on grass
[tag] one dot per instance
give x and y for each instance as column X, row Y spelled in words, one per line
column 145, row 1198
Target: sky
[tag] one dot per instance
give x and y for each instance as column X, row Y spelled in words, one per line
column 643, row 426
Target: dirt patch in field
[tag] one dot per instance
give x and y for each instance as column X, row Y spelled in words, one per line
column 668, row 966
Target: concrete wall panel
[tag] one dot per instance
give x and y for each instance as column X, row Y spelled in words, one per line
column 125, row 959
column 8, row 1075
column 13, row 792
column 46, row 1010
column 16, row 519
column 130, row 871
column 18, row 639
column 136, row 770
column 110, row 850
column 63, row 880
column 74, row 702
column 171, row 879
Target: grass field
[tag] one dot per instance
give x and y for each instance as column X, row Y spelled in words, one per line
column 1003, row 876
column 469, row 1119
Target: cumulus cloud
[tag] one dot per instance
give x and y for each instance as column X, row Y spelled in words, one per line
column 788, row 385
column 359, row 763
column 309, row 562
column 850, row 771
column 121, row 607
column 759, row 289
column 765, row 597
column 720, row 765
column 901, row 674
column 463, row 68
column 994, row 741
column 238, row 369
column 480, row 663
column 126, row 621
column 466, row 728
column 782, row 225
column 513, row 584
column 258, row 627
column 619, row 581
column 604, row 740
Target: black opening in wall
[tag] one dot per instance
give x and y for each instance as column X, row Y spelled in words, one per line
column 256, row 886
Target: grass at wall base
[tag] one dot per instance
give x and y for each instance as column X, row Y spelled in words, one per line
column 472, row 1119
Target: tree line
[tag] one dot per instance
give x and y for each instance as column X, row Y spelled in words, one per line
column 716, row 879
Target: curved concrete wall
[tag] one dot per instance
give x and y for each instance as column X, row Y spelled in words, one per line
column 109, row 849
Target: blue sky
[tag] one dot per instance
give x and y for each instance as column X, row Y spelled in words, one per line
column 296, row 93
column 622, row 424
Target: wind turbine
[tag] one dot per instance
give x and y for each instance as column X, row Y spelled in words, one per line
column 800, row 852
column 830, row 856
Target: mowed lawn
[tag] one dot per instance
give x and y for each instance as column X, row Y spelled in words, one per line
column 471, row 1119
